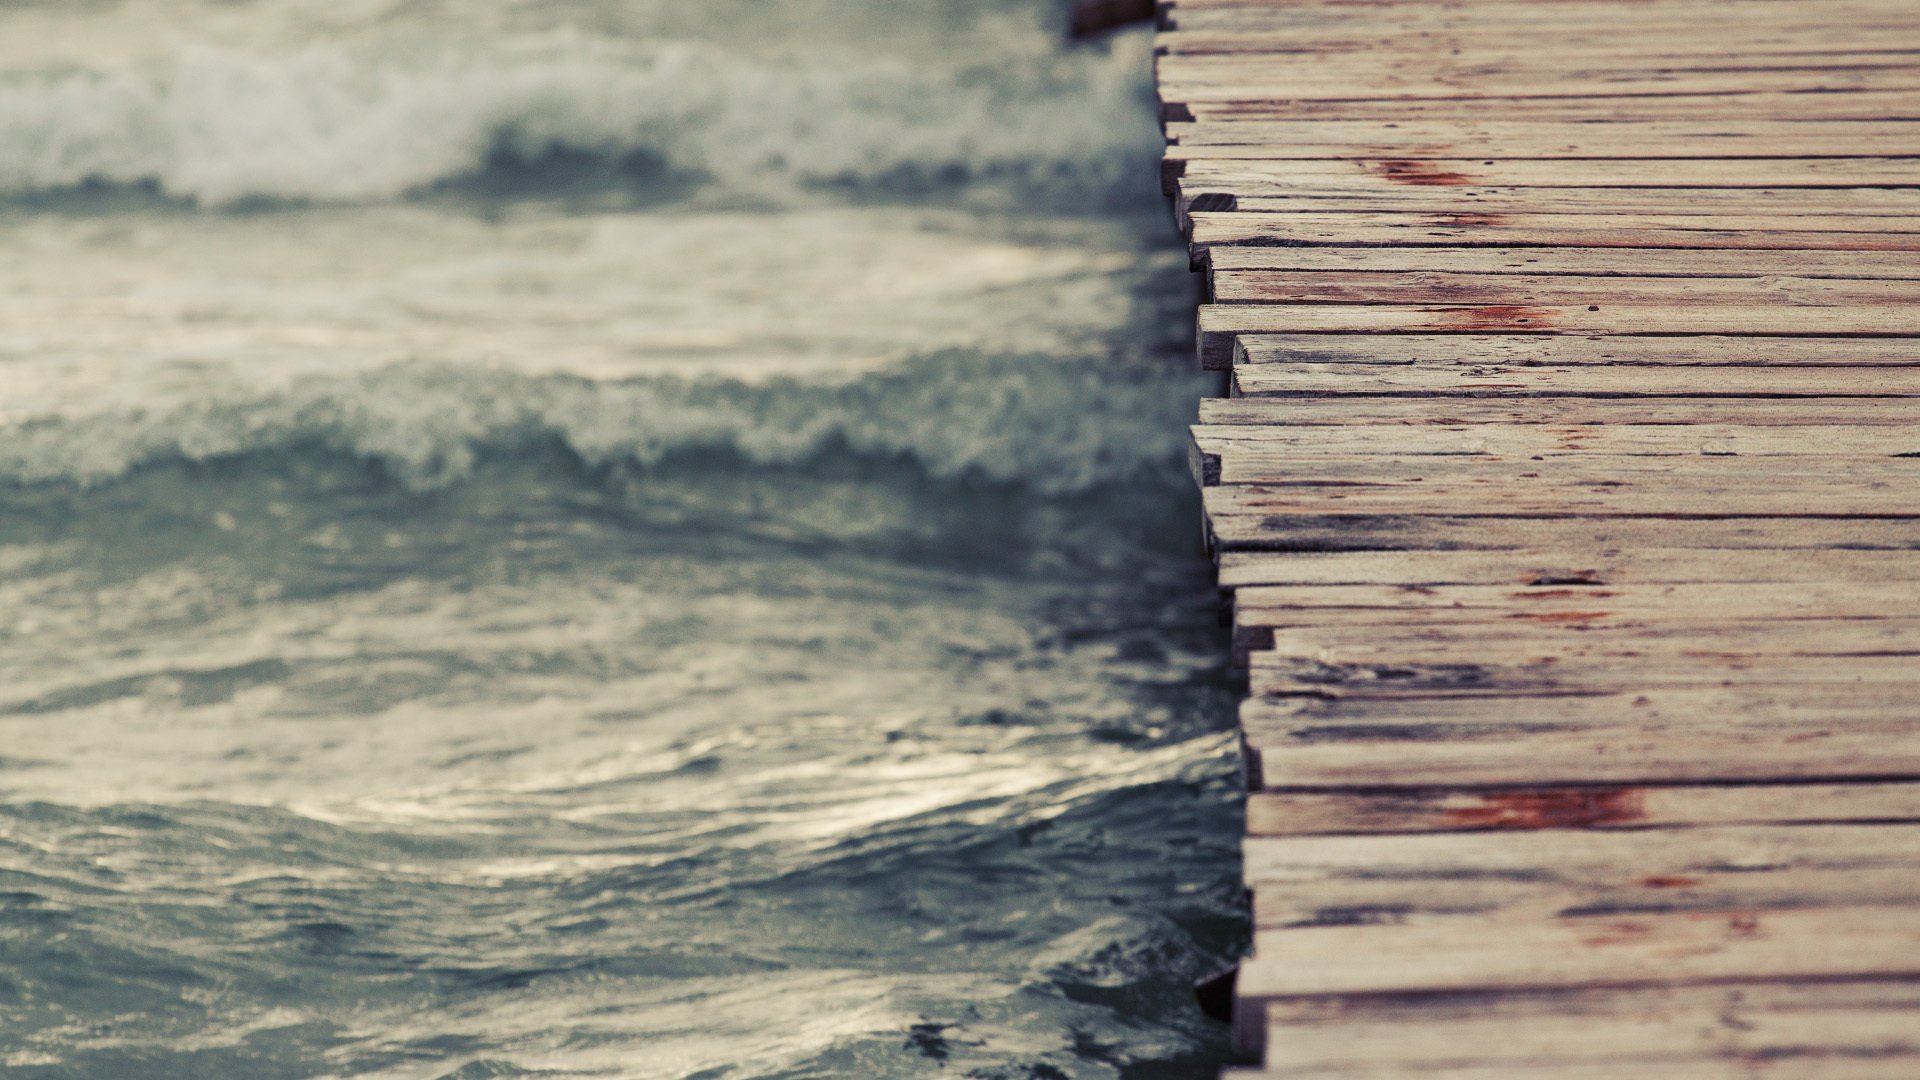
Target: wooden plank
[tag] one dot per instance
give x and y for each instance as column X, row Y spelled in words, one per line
column 1622, row 642
column 1273, row 198
column 1827, row 1068
column 1220, row 324
column 1328, row 410
column 1309, row 140
column 1679, row 231
column 1762, row 1028
column 1249, row 16
column 1591, row 565
column 1235, row 524
column 1202, row 78
column 1579, row 262
column 1656, row 948
column 1570, row 485
column 1765, row 105
column 1457, row 350
column 1346, row 813
column 1656, row 735
column 1602, row 847
column 1570, row 380
column 1251, row 175
column 1445, row 287
column 1304, row 605
column 1321, row 672
column 1212, row 444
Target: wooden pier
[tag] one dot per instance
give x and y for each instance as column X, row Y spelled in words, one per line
column 1568, row 495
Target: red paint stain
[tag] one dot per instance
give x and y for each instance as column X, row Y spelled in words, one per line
column 1618, row 933
column 1562, row 594
column 1669, row 881
column 1495, row 317
column 1550, row 808
column 1421, row 173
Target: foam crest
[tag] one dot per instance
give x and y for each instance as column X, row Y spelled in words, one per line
column 1052, row 425
column 377, row 120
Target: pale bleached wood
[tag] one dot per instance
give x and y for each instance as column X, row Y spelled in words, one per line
column 1834, row 1067
column 1284, row 672
column 1442, row 287
column 1576, row 262
column 1530, row 350
column 1574, row 485
column 1658, row 735
column 1325, row 410
column 1271, row 198
column 1543, row 440
column 1679, row 1027
column 1593, row 564
column 1296, row 605
column 1310, row 140
column 1238, row 524
column 1761, row 105
column 1679, row 231
column 1318, row 813
column 1220, row 324
column 1647, row 949
column 1577, row 381
column 1279, row 176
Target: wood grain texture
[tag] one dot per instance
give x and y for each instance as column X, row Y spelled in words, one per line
column 1567, row 502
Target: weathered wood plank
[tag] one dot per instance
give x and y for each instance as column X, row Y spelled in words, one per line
column 1308, row 605
column 1439, row 412
column 1250, row 175
column 1220, row 324
column 1570, row 485
column 1269, row 197
column 1591, row 565
column 1762, row 105
column 1765, row 1028
column 1343, row 813
column 1235, row 524
column 1212, row 444
column 1657, row 735
column 1530, row 350
column 1309, row 140
column 1602, row 845
column 1678, row 231
column 1443, row 287
column 1656, row 948
column 1576, row 380
column 1832, row 1067
column 1576, row 262
column 1575, row 335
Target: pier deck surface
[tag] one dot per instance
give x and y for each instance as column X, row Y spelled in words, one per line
column 1568, row 494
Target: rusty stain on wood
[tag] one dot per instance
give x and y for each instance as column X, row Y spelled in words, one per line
column 1563, row 808
column 1419, row 173
column 1494, row 317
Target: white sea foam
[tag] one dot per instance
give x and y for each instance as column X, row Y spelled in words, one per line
column 372, row 120
column 1055, row 425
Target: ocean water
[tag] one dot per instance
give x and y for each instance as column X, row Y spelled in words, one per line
column 598, row 538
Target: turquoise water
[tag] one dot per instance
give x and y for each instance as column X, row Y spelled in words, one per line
column 598, row 539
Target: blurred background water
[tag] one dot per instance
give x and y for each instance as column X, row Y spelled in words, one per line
column 613, row 538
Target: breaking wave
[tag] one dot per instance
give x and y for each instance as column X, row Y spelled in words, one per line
column 1055, row 426
column 341, row 123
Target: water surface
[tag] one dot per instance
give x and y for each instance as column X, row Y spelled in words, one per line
column 597, row 539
